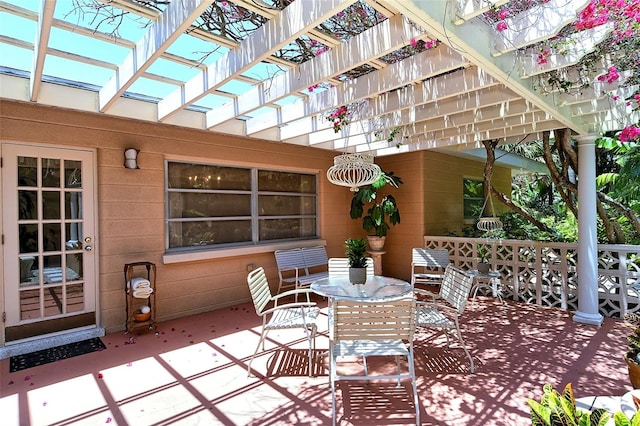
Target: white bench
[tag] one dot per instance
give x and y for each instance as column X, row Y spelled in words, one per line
column 299, row 267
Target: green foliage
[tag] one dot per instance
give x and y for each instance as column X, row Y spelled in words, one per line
column 355, row 251
column 483, row 253
column 560, row 410
column 632, row 321
column 382, row 213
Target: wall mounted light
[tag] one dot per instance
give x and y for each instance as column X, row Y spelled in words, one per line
column 130, row 158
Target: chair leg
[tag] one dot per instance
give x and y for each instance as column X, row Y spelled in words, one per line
column 412, row 371
column 332, row 382
column 398, row 368
column 464, row 346
column 312, row 347
column 260, row 342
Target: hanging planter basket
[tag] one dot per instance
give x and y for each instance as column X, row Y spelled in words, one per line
column 488, row 224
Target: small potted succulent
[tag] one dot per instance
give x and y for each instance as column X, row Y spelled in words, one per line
column 355, row 251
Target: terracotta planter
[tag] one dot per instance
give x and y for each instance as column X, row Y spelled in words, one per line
column 357, row 275
column 376, row 243
column 634, row 373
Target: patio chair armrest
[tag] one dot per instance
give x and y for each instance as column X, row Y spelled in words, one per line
column 290, row 305
column 304, row 291
column 426, row 293
column 445, row 308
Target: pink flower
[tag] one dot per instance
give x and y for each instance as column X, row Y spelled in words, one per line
column 504, row 12
column 413, row 42
column 501, row 26
column 629, row 134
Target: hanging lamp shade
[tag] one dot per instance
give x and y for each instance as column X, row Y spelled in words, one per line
column 353, row 171
column 487, row 224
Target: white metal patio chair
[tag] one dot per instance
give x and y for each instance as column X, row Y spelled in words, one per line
column 289, row 315
column 340, row 266
column 427, row 266
column 442, row 310
column 379, row 328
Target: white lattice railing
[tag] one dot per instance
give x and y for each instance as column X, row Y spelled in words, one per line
column 545, row 273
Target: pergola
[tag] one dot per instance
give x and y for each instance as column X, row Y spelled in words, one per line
column 358, row 76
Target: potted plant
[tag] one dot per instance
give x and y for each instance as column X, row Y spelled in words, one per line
column 382, row 212
column 555, row 409
column 483, row 255
column 355, row 251
column 632, row 357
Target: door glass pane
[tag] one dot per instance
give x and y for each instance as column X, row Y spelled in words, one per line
column 52, row 301
column 73, row 205
column 51, row 237
column 74, row 267
column 29, row 304
column 72, row 174
column 27, row 266
column 27, row 205
column 27, row 171
column 28, row 238
column 51, row 173
column 74, row 235
column 75, row 298
column 52, row 271
column 51, row 205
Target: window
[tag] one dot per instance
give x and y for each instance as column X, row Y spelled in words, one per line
column 211, row 205
column 473, row 198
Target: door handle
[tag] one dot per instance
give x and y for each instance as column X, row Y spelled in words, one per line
column 88, row 248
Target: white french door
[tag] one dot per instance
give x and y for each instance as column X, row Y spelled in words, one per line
column 48, row 222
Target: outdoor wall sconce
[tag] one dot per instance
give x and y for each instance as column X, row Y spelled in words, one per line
column 130, row 158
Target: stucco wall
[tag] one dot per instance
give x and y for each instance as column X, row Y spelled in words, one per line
column 429, row 200
column 131, row 207
column 131, row 202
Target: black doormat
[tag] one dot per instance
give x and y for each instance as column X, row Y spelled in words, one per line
column 45, row 356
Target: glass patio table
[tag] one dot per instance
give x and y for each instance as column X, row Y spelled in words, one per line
column 376, row 288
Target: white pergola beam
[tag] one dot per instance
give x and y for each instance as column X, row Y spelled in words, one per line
column 43, row 30
column 176, row 18
column 474, row 40
column 437, row 89
column 420, row 67
column 384, row 38
column 541, row 22
column 469, row 9
column 293, row 21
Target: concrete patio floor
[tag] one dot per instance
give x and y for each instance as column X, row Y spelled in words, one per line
column 194, row 371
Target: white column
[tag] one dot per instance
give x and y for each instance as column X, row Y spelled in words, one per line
column 587, row 233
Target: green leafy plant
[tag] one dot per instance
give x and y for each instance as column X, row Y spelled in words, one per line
column 355, row 251
column 560, row 410
column 633, row 322
column 382, row 213
column 483, row 254
column 556, row 410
